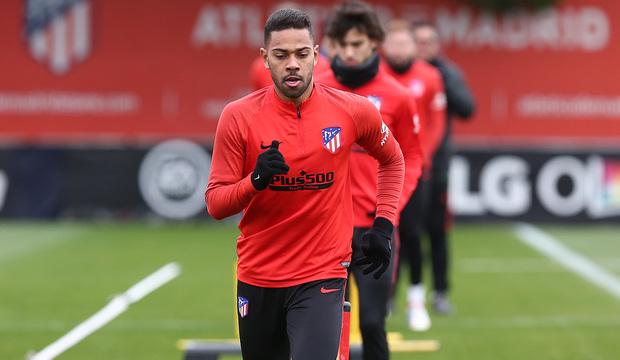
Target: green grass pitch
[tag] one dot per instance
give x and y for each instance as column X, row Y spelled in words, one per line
column 512, row 302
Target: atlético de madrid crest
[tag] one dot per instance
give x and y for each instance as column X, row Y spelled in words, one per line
column 332, row 139
column 58, row 32
column 243, row 304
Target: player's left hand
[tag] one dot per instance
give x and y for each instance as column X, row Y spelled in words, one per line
column 377, row 248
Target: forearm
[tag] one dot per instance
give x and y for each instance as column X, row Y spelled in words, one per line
column 224, row 200
column 391, row 175
column 413, row 170
column 436, row 130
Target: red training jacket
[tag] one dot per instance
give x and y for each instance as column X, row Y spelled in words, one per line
column 299, row 229
column 426, row 84
column 398, row 110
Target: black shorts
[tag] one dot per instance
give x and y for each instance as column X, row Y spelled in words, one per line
column 302, row 321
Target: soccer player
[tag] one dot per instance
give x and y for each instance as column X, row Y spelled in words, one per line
column 425, row 83
column 460, row 104
column 356, row 34
column 404, row 44
column 281, row 155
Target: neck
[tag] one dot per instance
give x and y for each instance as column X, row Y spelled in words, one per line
column 357, row 75
column 301, row 98
column 400, row 67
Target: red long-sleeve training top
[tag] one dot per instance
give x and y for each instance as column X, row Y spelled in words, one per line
column 299, row 229
column 398, row 110
column 426, row 84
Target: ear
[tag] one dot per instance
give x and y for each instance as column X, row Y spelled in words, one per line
column 374, row 44
column 263, row 54
column 316, row 54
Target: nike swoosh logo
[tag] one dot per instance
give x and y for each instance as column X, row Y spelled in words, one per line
column 262, row 146
column 257, row 177
column 327, row 291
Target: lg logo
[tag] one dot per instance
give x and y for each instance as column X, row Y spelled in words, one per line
column 564, row 186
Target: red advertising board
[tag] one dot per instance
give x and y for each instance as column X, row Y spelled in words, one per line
column 116, row 71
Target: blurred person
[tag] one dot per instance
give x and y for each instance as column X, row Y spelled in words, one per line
column 281, row 155
column 260, row 76
column 460, row 104
column 356, row 33
column 425, row 83
column 421, row 42
column 327, row 51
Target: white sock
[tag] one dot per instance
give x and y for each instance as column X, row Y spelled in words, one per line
column 416, row 294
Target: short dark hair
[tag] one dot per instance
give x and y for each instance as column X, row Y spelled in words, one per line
column 423, row 23
column 354, row 14
column 284, row 19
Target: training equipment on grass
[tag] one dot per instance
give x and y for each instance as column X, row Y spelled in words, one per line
column 115, row 307
column 343, row 352
column 213, row 349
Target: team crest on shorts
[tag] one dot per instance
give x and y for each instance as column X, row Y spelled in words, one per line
column 242, row 304
column 332, row 139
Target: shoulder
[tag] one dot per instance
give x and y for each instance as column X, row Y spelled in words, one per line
column 448, row 68
column 341, row 97
column 322, row 65
column 394, row 86
column 355, row 107
column 394, row 90
column 247, row 105
column 258, row 64
column 326, row 78
column 428, row 71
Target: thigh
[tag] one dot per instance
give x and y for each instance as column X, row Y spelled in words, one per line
column 314, row 319
column 262, row 323
column 438, row 205
column 414, row 214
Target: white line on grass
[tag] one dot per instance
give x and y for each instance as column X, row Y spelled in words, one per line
column 16, row 242
column 551, row 247
column 524, row 265
column 508, row 265
column 115, row 307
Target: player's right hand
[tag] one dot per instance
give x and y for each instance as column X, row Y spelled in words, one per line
column 269, row 163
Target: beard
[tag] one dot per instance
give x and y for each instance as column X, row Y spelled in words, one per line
column 292, row 92
column 400, row 66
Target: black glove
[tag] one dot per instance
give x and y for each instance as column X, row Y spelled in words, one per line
column 268, row 164
column 377, row 247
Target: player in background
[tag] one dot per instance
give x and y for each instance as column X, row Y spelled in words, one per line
column 460, row 102
column 281, row 155
column 425, row 83
column 356, row 34
column 460, row 105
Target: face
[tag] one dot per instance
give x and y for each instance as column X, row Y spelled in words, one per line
column 354, row 48
column 399, row 47
column 427, row 43
column 290, row 56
